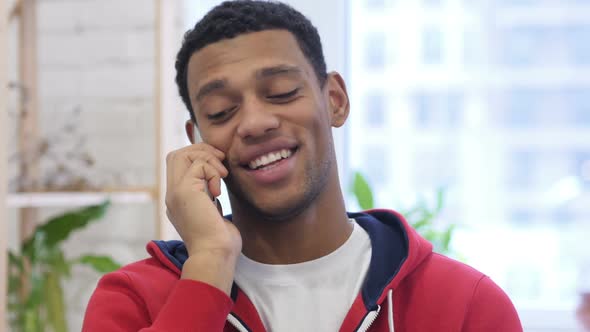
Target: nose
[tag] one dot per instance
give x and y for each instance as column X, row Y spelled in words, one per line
column 257, row 120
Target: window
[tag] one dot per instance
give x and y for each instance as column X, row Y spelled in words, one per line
column 434, row 169
column 520, row 45
column 579, row 50
column 547, row 108
column 471, row 48
column 581, row 169
column 522, row 216
column 375, row 110
column 432, row 46
column 507, row 135
column 438, row 110
column 376, row 166
column 521, row 108
column 424, row 108
column 376, row 4
column 432, row 2
column 520, row 170
column 562, row 215
column 375, row 50
column 579, row 103
column 524, row 280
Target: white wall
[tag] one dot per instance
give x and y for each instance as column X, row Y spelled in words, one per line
column 3, row 158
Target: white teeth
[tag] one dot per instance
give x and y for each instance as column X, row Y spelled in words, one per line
column 269, row 158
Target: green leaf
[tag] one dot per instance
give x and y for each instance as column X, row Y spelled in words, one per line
column 430, row 235
column 57, row 263
column 58, row 228
column 410, row 214
column 54, row 303
column 15, row 261
column 440, row 200
column 33, row 247
column 31, row 321
column 101, row 264
column 35, row 297
column 446, row 237
column 13, row 284
column 420, row 224
column 420, row 217
column 362, row 191
column 45, row 300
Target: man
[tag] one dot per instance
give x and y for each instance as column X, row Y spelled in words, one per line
column 253, row 77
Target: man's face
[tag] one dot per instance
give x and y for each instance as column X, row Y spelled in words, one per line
column 256, row 97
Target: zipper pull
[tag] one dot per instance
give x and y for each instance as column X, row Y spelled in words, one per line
column 369, row 320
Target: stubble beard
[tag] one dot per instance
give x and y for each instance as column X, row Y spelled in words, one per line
column 315, row 180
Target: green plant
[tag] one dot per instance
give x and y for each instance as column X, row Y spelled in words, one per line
column 35, row 296
column 422, row 217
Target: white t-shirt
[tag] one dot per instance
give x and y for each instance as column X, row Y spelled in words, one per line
column 309, row 296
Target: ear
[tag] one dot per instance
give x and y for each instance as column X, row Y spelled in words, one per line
column 338, row 102
column 190, row 127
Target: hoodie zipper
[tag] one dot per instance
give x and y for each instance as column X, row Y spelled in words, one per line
column 236, row 323
column 369, row 320
column 364, row 327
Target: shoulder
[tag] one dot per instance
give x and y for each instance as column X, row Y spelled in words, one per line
column 467, row 292
column 462, row 297
column 440, row 268
column 447, row 280
column 142, row 277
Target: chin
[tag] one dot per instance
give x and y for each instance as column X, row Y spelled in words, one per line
column 272, row 209
column 276, row 211
column 280, row 204
column 282, row 213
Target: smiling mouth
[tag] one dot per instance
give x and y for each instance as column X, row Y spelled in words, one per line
column 268, row 160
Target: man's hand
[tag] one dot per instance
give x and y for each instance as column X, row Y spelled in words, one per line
column 193, row 180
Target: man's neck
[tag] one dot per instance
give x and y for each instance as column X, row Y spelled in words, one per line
column 319, row 230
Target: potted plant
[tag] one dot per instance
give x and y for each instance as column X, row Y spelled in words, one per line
column 35, row 273
column 421, row 217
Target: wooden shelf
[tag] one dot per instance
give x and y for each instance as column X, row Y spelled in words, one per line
column 76, row 198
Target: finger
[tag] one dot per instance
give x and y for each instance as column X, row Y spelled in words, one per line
column 205, row 176
column 214, row 186
column 209, row 158
column 205, row 148
column 177, row 165
column 177, row 162
column 183, row 160
column 171, row 177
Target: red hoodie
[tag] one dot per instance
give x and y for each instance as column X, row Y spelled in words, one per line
column 408, row 288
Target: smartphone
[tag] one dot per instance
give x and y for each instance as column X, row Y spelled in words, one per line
column 196, row 135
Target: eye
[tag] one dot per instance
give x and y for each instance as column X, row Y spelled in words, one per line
column 283, row 96
column 221, row 116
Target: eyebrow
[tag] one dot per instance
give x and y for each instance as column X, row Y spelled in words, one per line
column 210, row 87
column 277, row 70
column 263, row 73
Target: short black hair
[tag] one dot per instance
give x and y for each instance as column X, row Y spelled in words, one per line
column 233, row 18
